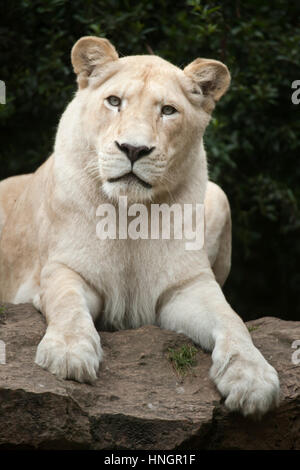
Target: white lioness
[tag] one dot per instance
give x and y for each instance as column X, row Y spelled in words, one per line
column 134, row 128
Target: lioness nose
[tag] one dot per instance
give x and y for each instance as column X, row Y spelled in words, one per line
column 134, row 153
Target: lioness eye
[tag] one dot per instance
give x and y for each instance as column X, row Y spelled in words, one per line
column 114, row 100
column 167, row 110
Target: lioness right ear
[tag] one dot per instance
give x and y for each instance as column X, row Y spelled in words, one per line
column 90, row 52
column 211, row 75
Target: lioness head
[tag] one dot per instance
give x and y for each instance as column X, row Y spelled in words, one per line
column 140, row 118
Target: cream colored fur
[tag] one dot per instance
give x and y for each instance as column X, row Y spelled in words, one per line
column 51, row 256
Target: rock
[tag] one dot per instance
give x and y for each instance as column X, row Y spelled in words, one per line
column 139, row 401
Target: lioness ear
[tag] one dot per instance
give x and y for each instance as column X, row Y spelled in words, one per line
column 211, row 75
column 88, row 53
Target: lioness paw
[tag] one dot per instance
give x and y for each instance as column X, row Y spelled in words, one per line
column 70, row 357
column 249, row 386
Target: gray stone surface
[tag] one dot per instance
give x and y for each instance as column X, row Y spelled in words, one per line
column 138, row 401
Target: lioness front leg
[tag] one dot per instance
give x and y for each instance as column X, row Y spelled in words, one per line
column 71, row 347
column 242, row 375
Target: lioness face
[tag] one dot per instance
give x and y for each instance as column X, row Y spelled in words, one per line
column 143, row 122
column 142, row 117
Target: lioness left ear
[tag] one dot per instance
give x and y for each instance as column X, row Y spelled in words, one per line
column 211, row 75
column 88, row 53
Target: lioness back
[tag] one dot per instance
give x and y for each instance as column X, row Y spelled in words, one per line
column 10, row 190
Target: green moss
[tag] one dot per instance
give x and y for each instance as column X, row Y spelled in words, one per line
column 182, row 358
column 252, row 328
column 2, row 313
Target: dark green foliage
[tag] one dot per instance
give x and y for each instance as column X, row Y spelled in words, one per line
column 253, row 140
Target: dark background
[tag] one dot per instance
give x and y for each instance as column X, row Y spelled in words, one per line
column 253, row 141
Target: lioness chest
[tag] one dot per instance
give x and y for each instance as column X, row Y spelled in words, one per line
column 130, row 276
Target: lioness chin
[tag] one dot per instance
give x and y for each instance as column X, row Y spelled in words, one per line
column 134, row 128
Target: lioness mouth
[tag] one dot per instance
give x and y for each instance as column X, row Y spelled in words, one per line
column 129, row 178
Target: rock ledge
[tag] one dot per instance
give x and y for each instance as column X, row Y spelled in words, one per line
column 138, row 401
